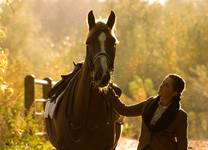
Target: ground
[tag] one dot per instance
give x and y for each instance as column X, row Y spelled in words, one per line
column 131, row 144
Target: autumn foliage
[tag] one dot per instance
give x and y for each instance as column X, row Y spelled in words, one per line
column 154, row 40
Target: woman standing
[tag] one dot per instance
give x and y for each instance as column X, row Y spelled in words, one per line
column 164, row 123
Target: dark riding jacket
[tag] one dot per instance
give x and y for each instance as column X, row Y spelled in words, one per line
column 174, row 137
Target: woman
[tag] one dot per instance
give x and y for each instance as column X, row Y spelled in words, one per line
column 164, row 123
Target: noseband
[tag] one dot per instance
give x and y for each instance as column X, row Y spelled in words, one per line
column 93, row 59
column 99, row 55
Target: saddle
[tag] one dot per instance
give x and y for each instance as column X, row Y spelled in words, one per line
column 55, row 94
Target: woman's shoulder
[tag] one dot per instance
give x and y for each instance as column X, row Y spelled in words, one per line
column 148, row 100
column 181, row 118
column 182, row 113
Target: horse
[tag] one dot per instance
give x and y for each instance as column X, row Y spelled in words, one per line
column 84, row 118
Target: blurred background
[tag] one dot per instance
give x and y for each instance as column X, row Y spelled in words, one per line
column 44, row 37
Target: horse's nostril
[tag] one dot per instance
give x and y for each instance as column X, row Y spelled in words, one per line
column 98, row 75
column 106, row 78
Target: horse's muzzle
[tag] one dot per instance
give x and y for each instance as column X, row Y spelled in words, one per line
column 102, row 80
column 105, row 80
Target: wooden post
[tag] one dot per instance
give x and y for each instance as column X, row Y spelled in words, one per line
column 29, row 91
column 30, row 83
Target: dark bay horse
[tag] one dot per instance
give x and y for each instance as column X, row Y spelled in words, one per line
column 84, row 118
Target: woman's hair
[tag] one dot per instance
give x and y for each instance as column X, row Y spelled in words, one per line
column 178, row 83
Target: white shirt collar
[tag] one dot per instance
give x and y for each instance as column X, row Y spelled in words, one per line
column 162, row 106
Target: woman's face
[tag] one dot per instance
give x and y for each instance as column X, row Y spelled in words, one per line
column 166, row 89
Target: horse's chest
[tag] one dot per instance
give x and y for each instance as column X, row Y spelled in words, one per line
column 99, row 108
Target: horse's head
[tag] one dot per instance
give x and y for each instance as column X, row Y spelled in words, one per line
column 101, row 47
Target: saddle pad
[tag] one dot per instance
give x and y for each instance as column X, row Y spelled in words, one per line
column 51, row 107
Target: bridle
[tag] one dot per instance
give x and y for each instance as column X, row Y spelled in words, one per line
column 98, row 55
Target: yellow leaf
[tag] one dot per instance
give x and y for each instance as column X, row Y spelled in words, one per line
column 2, row 34
column 8, row 2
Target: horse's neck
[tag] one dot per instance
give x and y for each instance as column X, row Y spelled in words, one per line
column 81, row 95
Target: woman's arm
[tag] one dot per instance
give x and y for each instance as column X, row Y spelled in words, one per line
column 181, row 133
column 130, row 111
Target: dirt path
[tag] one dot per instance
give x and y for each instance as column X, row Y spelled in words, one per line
column 131, row 144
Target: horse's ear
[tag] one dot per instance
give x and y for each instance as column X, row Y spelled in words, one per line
column 111, row 20
column 91, row 20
